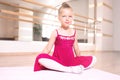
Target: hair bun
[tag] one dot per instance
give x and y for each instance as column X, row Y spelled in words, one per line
column 66, row 5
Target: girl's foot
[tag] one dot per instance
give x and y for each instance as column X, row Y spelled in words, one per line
column 77, row 69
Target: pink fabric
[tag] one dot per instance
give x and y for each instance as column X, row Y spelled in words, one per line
column 64, row 54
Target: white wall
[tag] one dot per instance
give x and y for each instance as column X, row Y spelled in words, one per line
column 116, row 24
column 32, row 46
column 104, row 42
column 21, row 46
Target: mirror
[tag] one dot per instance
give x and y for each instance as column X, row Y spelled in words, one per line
column 36, row 23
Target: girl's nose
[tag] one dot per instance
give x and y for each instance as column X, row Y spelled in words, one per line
column 67, row 18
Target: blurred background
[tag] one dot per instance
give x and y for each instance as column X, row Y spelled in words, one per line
column 26, row 25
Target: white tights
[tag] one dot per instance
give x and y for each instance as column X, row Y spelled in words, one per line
column 51, row 64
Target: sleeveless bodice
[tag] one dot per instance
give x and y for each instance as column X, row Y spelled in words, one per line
column 64, row 41
column 63, row 49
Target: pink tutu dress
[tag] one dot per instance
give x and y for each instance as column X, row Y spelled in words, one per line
column 64, row 53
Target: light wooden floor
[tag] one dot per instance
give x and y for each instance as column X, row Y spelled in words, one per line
column 106, row 61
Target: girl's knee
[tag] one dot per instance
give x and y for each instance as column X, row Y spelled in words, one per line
column 94, row 59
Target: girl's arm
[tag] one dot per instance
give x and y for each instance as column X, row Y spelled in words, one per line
column 50, row 43
column 76, row 47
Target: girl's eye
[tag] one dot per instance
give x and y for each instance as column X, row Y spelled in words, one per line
column 67, row 16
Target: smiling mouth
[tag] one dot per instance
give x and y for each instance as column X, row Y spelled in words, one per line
column 67, row 22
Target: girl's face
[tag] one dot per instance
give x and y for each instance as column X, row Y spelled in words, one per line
column 65, row 17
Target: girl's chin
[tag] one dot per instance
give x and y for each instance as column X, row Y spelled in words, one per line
column 65, row 27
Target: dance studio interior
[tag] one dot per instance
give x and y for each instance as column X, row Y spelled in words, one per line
column 26, row 25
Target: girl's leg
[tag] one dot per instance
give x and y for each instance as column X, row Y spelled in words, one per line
column 51, row 64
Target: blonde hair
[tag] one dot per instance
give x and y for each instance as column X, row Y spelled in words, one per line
column 63, row 6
